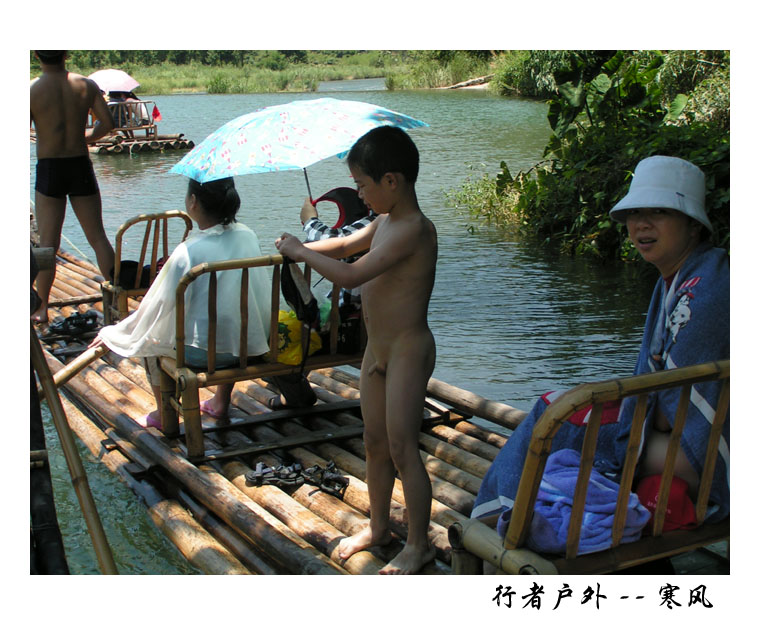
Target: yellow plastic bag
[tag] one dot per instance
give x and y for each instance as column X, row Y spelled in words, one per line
column 289, row 351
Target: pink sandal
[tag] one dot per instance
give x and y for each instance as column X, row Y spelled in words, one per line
column 210, row 411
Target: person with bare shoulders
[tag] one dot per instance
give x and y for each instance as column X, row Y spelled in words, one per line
column 397, row 276
column 60, row 102
column 687, row 323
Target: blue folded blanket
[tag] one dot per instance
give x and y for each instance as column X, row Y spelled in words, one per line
column 551, row 519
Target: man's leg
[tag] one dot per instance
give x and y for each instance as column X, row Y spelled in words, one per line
column 50, row 213
column 89, row 213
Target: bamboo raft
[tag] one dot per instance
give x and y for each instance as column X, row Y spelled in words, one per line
column 118, row 144
column 220, row 521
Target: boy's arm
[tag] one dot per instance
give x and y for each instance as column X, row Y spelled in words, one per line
column 343, row 247
column 378, row 260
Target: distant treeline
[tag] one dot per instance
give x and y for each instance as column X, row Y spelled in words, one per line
column 269, row 59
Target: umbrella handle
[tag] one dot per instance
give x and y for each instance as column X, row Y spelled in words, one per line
column 307, row 184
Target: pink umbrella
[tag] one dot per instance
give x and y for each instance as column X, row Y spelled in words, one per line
column 114, row 80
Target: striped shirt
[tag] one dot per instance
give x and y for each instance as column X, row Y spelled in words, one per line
column 316, row 231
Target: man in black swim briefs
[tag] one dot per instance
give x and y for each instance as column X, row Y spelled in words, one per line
column 60, row 177
column 60, row 102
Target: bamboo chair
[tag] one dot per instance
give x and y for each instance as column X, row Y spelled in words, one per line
column 128, row 117
column 115, row 297
column 180, row 382
column 475, row 541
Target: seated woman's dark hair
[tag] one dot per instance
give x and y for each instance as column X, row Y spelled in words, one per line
column 383, row 150
column 219, row 198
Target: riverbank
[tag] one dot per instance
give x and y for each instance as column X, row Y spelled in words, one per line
column 271, row 71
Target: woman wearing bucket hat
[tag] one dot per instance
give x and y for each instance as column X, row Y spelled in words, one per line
column 687, row 323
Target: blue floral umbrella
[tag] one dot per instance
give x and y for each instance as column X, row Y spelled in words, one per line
column 286, row 136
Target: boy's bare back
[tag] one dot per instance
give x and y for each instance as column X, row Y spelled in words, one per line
column 59, row 105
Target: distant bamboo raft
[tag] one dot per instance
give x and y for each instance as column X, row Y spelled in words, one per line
column 221, row 523
column 118, row 144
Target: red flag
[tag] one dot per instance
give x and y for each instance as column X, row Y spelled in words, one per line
column 156, row 114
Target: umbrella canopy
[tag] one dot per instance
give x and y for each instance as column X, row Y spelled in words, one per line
column 114, row 80
column 286, row 136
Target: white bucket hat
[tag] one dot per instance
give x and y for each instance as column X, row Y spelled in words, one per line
column 666, row 182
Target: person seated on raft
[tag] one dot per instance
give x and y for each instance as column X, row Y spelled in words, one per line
column 150, row 331
column 687, row 323
column 353, row 215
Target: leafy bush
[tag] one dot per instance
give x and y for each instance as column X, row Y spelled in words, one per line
column 218, row 84
column 609, row 111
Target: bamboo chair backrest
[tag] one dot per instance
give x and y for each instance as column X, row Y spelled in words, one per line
column 243, row 264
column 595, row 394
column 155, row 236
column 131, row 115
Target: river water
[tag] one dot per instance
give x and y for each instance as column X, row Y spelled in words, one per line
column 511, row 319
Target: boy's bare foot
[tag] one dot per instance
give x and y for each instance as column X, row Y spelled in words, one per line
column 360, row 541
column 409, row 561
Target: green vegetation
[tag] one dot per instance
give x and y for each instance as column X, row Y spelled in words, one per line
column 608, row 110
column 265, row 71
column 234, row 71
column 438, row 68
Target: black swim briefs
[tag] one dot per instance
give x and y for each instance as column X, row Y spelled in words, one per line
column 59, row 177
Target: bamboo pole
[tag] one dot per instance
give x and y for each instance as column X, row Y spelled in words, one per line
column 453, row 455
column 302, row 521
column 485, row 435
column 465, row 442
column 296, row 544
column 79, row 363
column 80, row 264
column 460, row 399
column 444, row 490
column 239, row 547
column 356, row 493
column 200, row 550
column 78, row 475
column 248, row 519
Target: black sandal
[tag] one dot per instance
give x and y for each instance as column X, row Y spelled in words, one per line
column 277, row 476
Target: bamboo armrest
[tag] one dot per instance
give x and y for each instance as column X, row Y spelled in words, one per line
column 594, row 395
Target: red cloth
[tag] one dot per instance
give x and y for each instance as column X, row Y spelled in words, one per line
column 680, row 513
column 156, row 114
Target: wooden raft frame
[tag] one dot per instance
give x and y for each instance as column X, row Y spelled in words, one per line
column 475, row 541
column 115, row 297
column 180, row 382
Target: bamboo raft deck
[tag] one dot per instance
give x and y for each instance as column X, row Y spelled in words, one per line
column 223, row 524
column 220, row 523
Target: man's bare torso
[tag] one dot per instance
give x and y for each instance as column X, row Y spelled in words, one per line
column 59, row 103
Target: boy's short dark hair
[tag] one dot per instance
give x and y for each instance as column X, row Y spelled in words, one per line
column 50, row 57
column 383, row 150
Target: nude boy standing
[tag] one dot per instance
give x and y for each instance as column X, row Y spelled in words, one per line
column 397, row 276
column 59, row 105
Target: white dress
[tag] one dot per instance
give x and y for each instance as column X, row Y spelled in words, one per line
column 150, row 330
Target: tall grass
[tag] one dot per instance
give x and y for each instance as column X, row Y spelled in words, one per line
column 169, row 78
column 429, row 73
